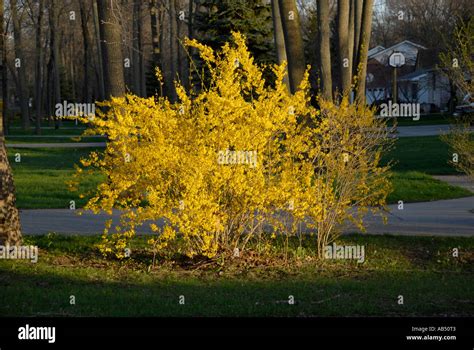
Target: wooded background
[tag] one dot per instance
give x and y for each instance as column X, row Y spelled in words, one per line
column 81, row 51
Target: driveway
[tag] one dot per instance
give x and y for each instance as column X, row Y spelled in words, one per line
column 454, row 217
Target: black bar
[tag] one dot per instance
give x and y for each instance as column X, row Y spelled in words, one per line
column 350, row 331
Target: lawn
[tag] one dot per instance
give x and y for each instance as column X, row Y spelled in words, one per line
column 421, row 269
column 427, row 154
column 50, row 139
column 41, row 175
column 48, row 131
column 414, row 186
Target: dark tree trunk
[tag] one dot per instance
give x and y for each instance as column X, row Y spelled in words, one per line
column 54, row 59
column 22, row 88
column 138, row 69
column 4, row 123
column 363, row 49
column 324, row 48
column 293, row 42
column 85, row 38
column 343, row 43
column 173, row 50
column 279, row 38
column 99, row 71
column 155, row 16
column 10, row 232
column 111, row 43
column 38, row 73
column 358, row 8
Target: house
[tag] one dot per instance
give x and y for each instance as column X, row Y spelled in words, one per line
column 380, row 74
column 427, row 84
column 418, row 81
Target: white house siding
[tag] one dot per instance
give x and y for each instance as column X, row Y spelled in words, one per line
column 435, row 92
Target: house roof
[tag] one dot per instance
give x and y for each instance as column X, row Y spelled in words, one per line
column 375, row 50
column 394, row 48
column 415, row 76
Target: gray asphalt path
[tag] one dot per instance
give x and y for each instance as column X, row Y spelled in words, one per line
column 423, row 130
column 453, row 217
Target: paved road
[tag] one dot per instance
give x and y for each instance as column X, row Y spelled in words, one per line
column 423, row 130
column 453, row 217
column 457, row 180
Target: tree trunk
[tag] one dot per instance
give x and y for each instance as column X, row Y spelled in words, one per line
column 190, row 19
column 138, row 69
column 343, row 43
column 364, row 48
column 324, row 48
column 293, row 42
column 173, row 50
column 100, row 65
column 350, row 36
column 85, row 39
column 54, row 58
column 111, row 40
column 183, row 31
column 4, row 122
column 155, row 16
column 38, row 73
column 155, row 33
column 279, row 38
column 358, row 8
column 10, row 232
column 22, row 88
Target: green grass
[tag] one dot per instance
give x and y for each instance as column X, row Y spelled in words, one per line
column 41, row 177
column 422, row 269
column 427, row 154
column 32, row 139
column 70, row 130
column 413, row 186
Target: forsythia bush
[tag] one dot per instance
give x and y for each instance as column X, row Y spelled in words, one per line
column 460, row 138
column 237, row 160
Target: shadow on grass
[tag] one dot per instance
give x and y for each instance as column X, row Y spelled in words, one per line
column 69, row 267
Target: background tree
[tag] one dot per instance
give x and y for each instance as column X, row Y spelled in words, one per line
column 38, row 70
column 85, row 10
column 279, row 37
column 457, row 62
column 20, row 65
column 293, row 42
column 214, row 21
column 325, row 48
column 343, row 24
column 156, row 26
column 10, row 232
column 111, row 45
column 363, row 48
column 53, row 66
